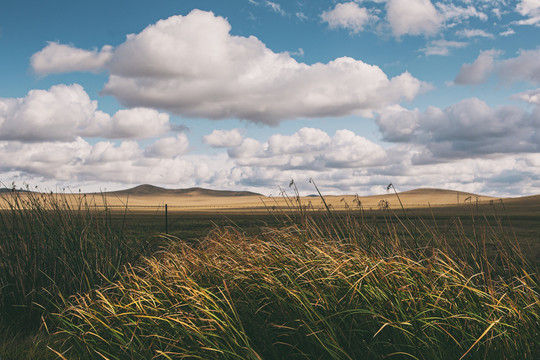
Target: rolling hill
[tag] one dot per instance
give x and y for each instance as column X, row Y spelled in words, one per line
column 201, row 199
column 151, row 190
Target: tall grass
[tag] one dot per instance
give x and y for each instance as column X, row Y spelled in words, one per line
column 52, row 247
column 329, row 286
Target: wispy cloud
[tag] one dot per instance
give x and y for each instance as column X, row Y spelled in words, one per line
column 455, row 13
column 300, row 15
column 507, row 32
column 442, row 47
column 299, row 52
column 275, row 7
column 471, row 33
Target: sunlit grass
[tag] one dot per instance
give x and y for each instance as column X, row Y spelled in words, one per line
column 327, row 288
column 322, row 285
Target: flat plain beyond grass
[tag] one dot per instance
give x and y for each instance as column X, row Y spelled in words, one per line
column 199, row 201
column 291, row 281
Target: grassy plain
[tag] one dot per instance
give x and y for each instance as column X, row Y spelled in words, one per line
column 417, row 276
column 203, row 201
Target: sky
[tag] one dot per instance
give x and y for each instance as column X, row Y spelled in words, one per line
column 250, row 94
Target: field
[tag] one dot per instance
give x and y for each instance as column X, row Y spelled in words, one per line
column 416, row 275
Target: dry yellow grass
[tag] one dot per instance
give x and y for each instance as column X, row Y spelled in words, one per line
column 200, row 202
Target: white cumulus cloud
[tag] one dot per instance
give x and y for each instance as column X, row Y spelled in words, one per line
column 65, row 112
column 413, row 17
column 467, row 129
column 310, row 149
column 137, row 123
column 224, row 138
column 59, row 58
column 107, row 162
column 192, row 66
column 528, row 7
column 531, row 10
column 168, row 147
column 348, row 16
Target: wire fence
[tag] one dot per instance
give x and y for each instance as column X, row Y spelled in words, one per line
column 166, row 214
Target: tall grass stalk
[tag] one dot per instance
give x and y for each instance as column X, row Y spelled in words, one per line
column 52, row 247
column 331, row 286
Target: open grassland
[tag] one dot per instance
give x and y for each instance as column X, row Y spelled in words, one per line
column 79, row 281
column 201, row 201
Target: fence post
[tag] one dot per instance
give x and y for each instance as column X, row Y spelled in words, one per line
column 166, row 221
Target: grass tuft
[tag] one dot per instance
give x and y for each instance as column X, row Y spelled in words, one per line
column 52, row 247
column 330, row 286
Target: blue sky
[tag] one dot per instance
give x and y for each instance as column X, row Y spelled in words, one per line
column 248, row 94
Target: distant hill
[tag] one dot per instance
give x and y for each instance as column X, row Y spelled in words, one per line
column 433, row 191
column 531, row 198
column 151, row 190
column 6, row 190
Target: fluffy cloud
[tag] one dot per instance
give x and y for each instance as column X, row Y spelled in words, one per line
column 191, row 65
column 342, row 163
column 65, row 112
column 108, row 152
column 80, row 164
column 104, row 162
column 168, row 147
column 479, row 71
column 467, row 129
column 310, row 149
column 47, row 159
column 59, row 58
column 136, row 123
column 56, row 114
column 422, row 17
column 528, row 7
column 413, row 17
column 224, row 138
column 400, row 166
column 348, row 16
column 524, row 67
column 531, row 10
